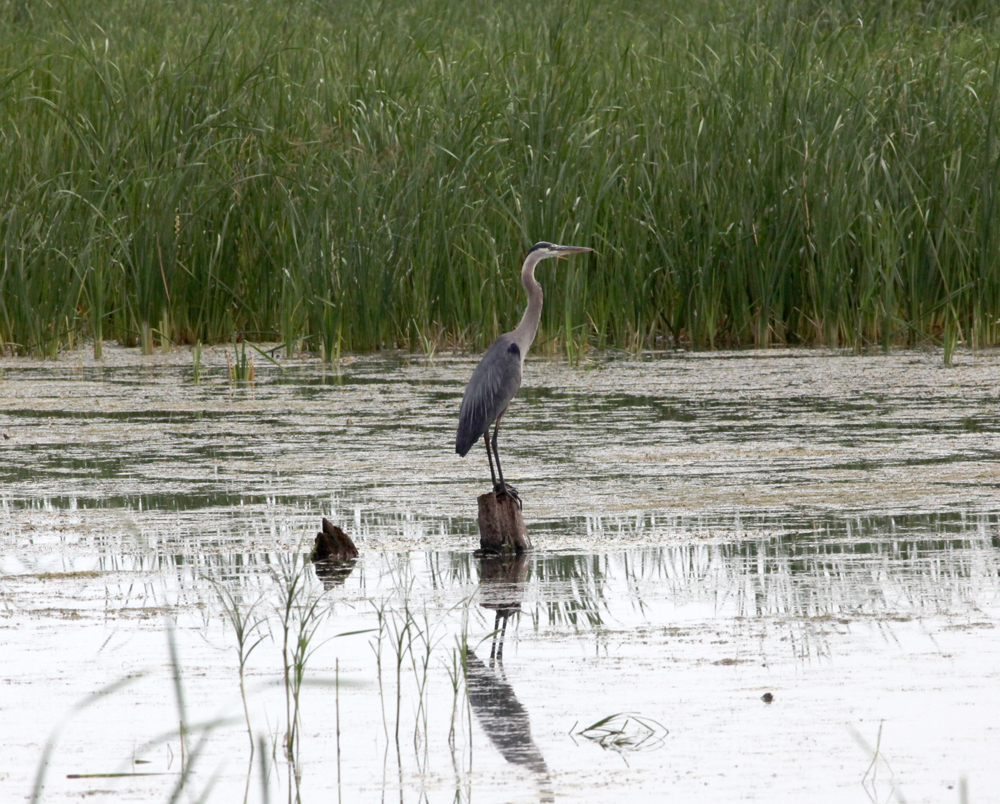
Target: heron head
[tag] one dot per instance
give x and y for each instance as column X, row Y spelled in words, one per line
column 546, row 250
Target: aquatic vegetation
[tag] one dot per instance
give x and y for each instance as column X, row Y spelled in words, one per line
column 623, row 732
column 299, row 617
column 249, row 632
column 410, row 635
column 241, row 367
column 196, row 367
column 185, row 779
column 53, row 740
column 364, row 176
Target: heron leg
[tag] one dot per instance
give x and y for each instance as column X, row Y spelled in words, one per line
column 486, row 440
column 502, row 487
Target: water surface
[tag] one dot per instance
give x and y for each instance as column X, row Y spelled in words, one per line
column 710, row 528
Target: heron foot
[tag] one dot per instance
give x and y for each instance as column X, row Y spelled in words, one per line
column 501, row 489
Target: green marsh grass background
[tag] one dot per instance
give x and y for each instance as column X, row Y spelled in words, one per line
column 355, row 176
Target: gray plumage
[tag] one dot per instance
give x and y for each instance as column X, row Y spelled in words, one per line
column 497, row 378
column 494, row 384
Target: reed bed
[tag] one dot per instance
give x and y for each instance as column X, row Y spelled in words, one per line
column 360, row 176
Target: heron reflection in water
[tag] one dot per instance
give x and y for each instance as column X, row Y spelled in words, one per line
column 499, row 712
column 497, row 378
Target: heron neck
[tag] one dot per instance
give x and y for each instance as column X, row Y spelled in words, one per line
column 524, row 334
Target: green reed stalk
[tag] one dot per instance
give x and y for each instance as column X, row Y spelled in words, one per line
column 299, row 617
column 246, row 627
column 369, row 176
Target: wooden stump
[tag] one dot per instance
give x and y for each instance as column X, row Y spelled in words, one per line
column 501, row 528
column 332, row 544
column 334, row 555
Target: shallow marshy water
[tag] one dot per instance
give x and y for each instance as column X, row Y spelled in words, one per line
column 709, row 529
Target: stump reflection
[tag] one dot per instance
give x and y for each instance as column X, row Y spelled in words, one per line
column 501, row 588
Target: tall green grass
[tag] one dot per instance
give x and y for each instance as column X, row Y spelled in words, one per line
column 368, row 175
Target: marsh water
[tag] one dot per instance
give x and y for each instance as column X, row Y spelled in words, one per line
column 764, row 576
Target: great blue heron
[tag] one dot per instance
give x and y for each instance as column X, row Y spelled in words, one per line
column 497, row 378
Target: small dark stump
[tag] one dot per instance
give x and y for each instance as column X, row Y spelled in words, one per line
column 334, row 555
column 332, row 544
column 501, row 527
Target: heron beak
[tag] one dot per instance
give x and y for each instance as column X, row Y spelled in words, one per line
column 565, row 251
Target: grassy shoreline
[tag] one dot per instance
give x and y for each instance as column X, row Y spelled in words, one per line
column 370, row 177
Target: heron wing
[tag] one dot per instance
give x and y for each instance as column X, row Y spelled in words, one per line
column 493, row 384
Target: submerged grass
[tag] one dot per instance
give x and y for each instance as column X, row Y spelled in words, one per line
column 368, row 175
column 297, row 613
column 248, row 630
column 300, row 611
column 624, row 731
